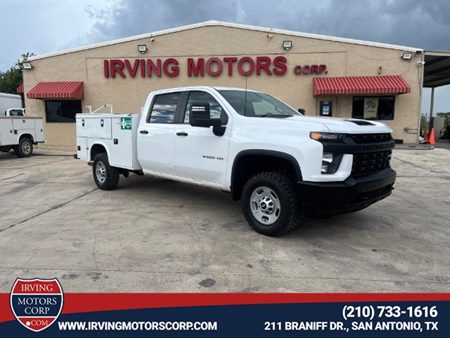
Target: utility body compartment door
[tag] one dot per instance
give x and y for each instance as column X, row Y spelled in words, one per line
column 123, row 144
column 39, row 131
column 23, row 124
column 7, row 136
column 94, row 126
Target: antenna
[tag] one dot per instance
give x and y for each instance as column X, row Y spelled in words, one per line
column 245, row 97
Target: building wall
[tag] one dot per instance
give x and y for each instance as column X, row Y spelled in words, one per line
column 128, row 95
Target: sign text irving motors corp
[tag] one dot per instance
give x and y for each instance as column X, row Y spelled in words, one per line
column 213, row 67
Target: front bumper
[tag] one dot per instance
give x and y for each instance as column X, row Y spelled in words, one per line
column 353, row 194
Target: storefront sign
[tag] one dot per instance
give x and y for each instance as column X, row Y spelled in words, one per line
column 201, row 67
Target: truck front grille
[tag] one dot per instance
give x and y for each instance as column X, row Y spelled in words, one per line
column 370, row 138
column 367, row 163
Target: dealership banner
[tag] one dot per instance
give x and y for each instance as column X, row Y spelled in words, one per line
column 40, row 308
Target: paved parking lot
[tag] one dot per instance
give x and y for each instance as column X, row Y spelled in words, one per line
column 154, row 235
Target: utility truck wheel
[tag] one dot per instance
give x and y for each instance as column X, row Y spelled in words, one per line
column 105, row 176
column 24, row 148
column 270, row 204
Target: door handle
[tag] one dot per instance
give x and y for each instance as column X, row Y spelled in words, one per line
column 143, row 131
column 182, row 133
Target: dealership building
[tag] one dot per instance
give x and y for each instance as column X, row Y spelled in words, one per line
column 326, row 76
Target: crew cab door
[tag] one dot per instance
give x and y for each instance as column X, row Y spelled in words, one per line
column 156, row 134
column 199, row 154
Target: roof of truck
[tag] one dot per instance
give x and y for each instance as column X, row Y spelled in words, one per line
column 188, row 88
column 234, row 88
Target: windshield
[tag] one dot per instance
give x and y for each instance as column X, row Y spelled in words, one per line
column 257, row 104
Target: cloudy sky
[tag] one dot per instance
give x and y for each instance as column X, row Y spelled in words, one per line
column 51, row 25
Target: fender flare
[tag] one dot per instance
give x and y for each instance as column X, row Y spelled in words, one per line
column 98, row 144
column 273, row 153
column 26, row 134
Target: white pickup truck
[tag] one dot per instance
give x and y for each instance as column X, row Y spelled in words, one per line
column 278, row 162
column 20, row 133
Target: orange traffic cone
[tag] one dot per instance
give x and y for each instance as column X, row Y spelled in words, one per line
column 432, row 137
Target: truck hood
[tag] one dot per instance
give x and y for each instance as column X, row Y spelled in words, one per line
column 343, row 125
column 305, row 124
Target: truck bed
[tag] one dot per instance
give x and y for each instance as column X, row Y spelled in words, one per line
column 115, row 132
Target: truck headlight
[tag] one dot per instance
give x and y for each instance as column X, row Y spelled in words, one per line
column 324, row 137
column 330, row 163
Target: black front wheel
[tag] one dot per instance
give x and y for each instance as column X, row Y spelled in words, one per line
column 270, row 205
column 105, row 176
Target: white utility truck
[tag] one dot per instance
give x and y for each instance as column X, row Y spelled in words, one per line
column 278, row 162
column 20, row 133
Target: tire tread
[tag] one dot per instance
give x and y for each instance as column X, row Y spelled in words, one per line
column 280, row 180
column 112, row 177
column 18, row 148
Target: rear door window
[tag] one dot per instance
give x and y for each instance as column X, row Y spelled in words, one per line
column 164, row 108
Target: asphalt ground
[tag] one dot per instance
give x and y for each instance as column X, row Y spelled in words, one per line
column 154, row 235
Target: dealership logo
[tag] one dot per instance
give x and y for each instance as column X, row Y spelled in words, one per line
column 36, row 303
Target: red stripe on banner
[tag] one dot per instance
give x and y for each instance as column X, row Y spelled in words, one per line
column 92, row 302
column 348, row 85
column 57, row 90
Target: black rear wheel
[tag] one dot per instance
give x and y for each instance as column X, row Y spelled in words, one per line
column 24, row 148
column 105, row 176
column 270, row 205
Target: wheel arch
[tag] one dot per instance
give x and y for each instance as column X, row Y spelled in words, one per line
column 27, row 135
column 250, row 162
column 97, row 148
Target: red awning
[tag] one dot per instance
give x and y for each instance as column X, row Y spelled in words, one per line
column 57, row 91
column 19, row 89
column 386, row 84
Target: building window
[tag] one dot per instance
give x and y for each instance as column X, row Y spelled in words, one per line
column 62, row 111
column 164, row 108
column 215, row 109
column 373, row 107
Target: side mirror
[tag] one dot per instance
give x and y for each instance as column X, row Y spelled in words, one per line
column 199, row 116
column 301, row 111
